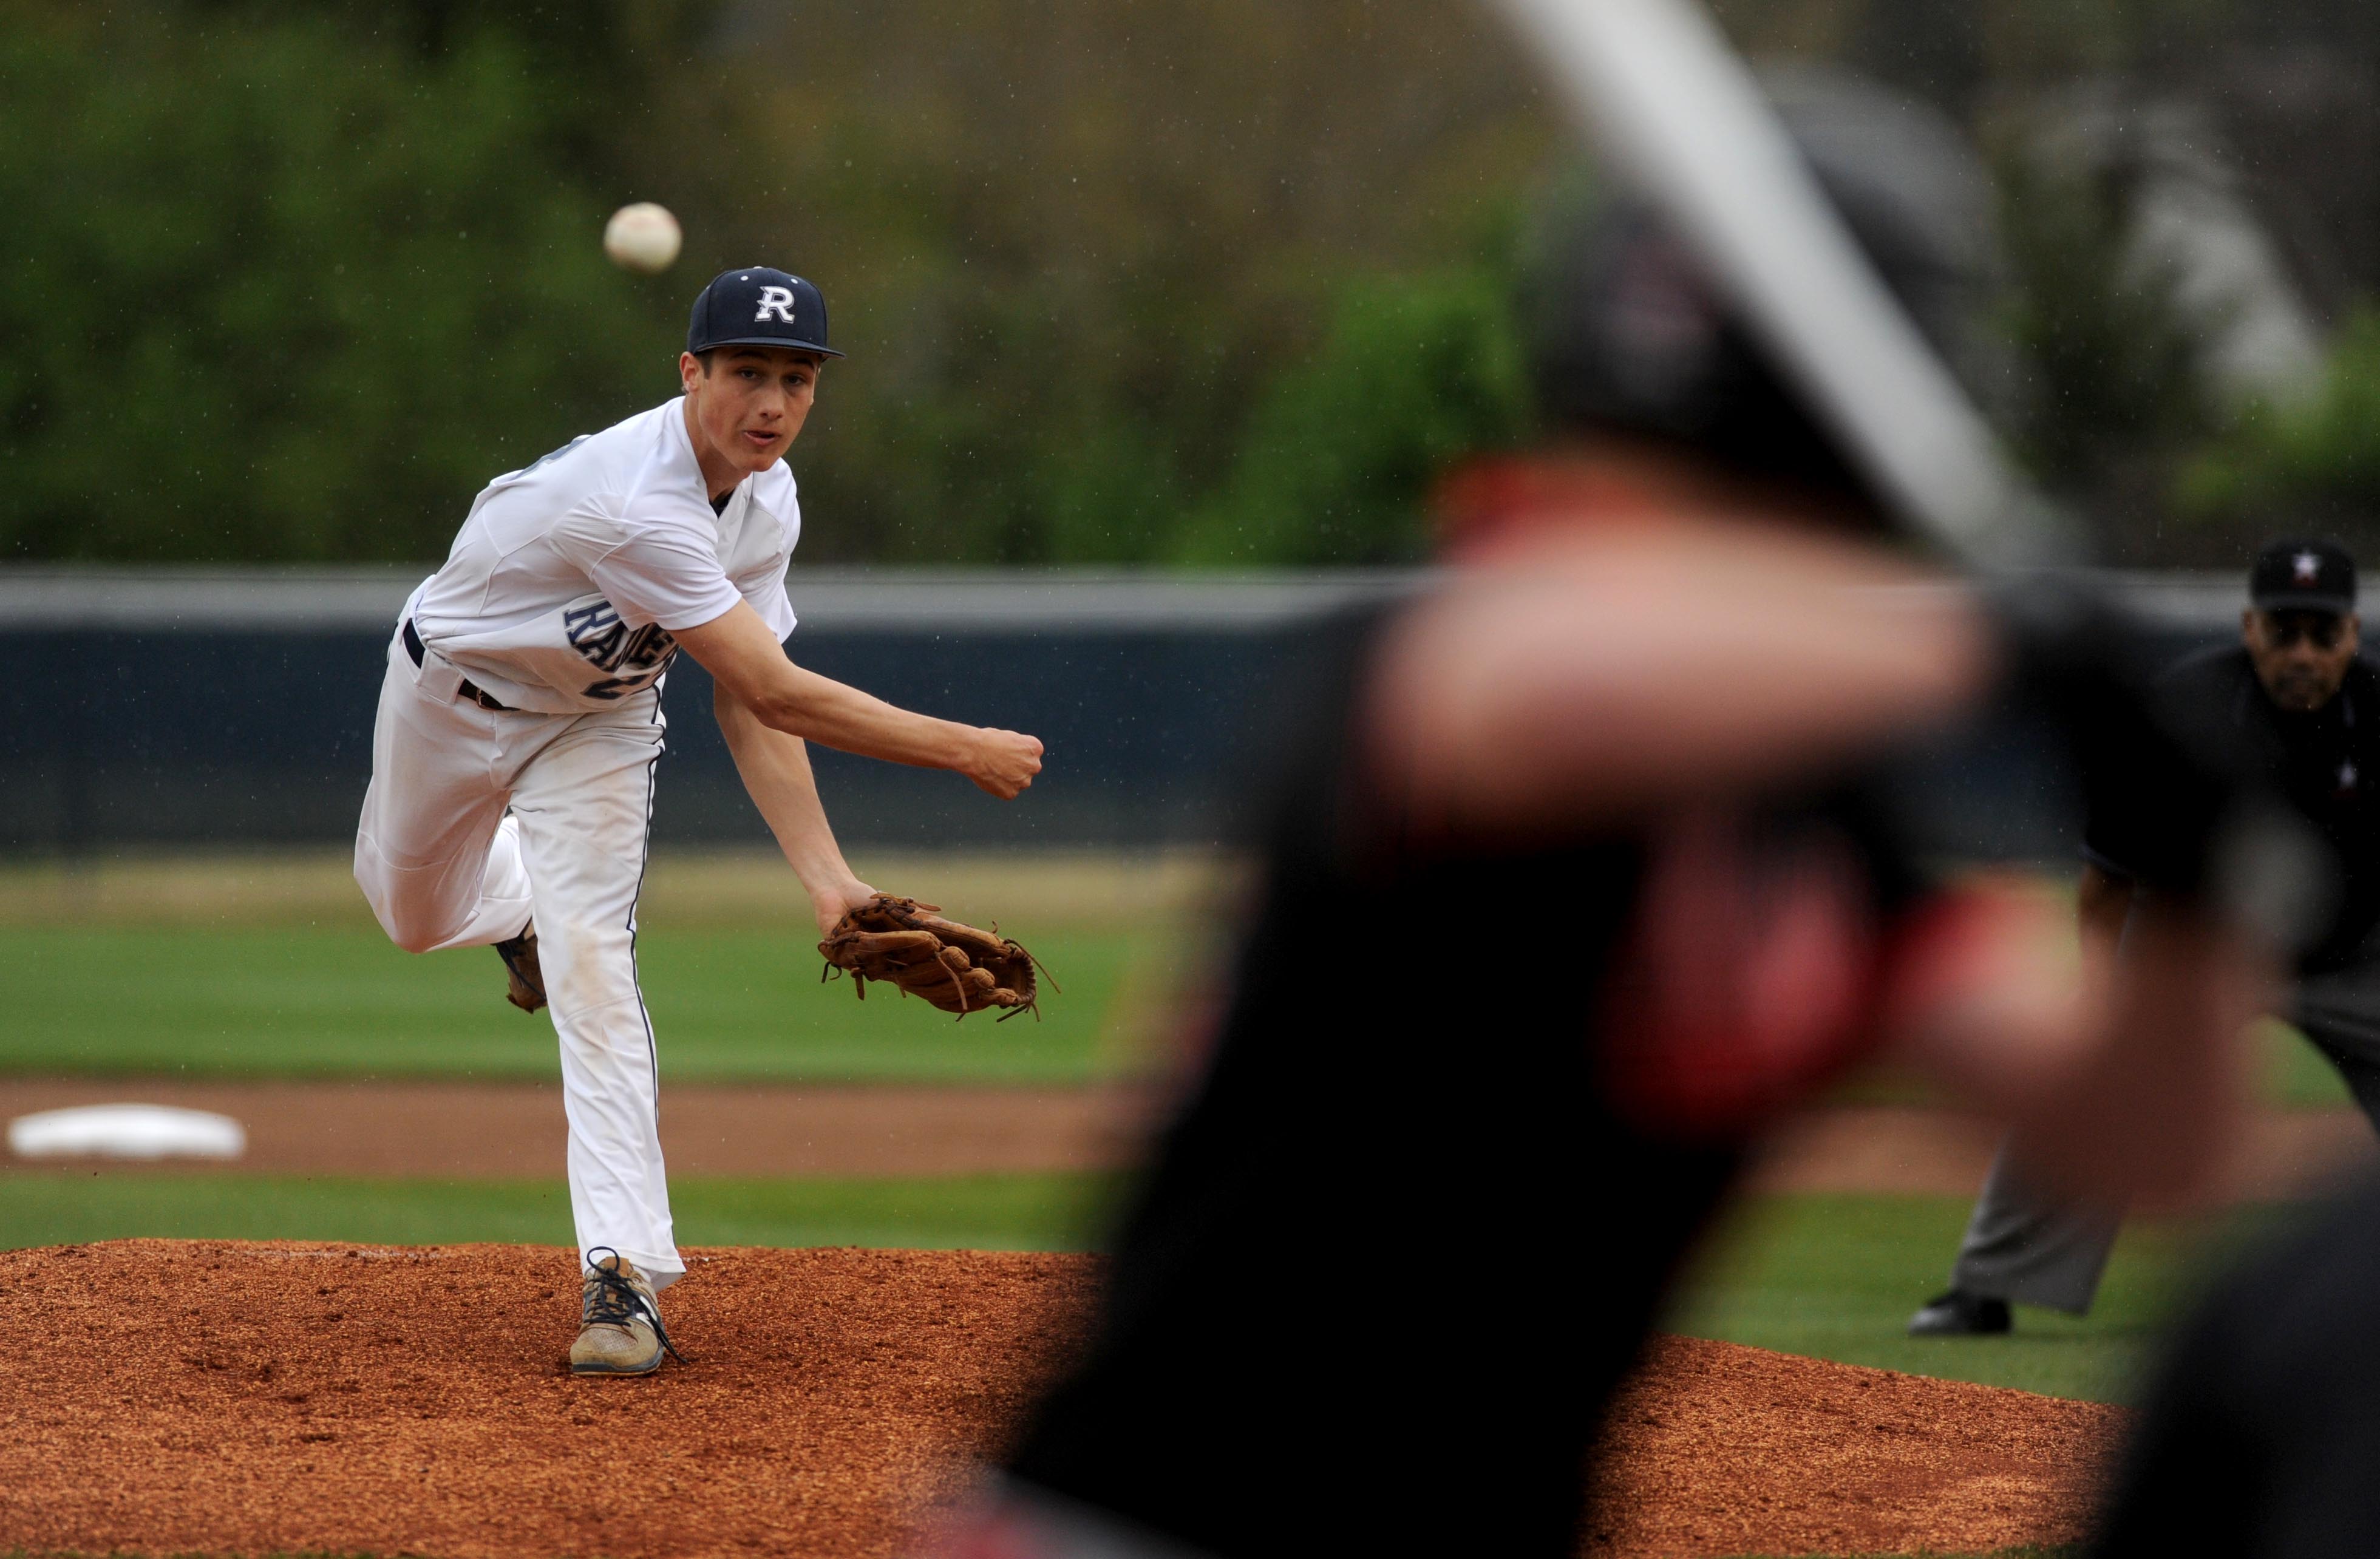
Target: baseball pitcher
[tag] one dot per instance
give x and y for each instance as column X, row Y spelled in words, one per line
column 521, row 724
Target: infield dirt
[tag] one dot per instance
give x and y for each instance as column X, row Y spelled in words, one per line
column 207, row 1397
column 515, row 1131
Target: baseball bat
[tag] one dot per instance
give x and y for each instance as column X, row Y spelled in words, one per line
column 1679, row 115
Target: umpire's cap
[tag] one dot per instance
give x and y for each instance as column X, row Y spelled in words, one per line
column 2307, row 576
column 1624, row 331
column 754, row 306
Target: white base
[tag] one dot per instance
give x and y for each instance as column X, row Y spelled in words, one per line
column 127, row 1131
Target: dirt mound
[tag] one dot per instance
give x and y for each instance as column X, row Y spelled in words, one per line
column 1720, row 1449
column 198, row 1396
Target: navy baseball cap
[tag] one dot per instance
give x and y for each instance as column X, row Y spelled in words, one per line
column 754, row 306
column 2302, row 576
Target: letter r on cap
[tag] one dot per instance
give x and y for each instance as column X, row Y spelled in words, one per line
column 778, row 301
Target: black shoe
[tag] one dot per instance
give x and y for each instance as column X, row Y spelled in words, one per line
column 1960, row 1314
column 524, row 979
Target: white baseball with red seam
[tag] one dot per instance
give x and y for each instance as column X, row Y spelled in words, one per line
column 642, row 236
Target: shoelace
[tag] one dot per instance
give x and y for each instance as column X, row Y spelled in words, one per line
column 616, row 1302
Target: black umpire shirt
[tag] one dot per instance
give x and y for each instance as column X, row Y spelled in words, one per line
column 2326, row 763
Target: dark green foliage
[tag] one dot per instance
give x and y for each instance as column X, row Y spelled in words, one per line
column 2311, row 466
column 2110, row 370
column 2115, row 415
column 292, row 281
column 286, row 290
column 1076, row 248
column 1123, row 281
column 1414, row 373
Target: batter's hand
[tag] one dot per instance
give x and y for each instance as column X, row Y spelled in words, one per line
column 1002, row 762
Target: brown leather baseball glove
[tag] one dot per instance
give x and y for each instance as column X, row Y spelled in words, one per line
column 957, row 967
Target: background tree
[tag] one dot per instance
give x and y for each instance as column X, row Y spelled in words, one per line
column 1198, row 282
column 282, row 290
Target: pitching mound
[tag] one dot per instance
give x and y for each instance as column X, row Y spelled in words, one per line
column 206, row 1398
column 1720, row 1449
column 215, row 1397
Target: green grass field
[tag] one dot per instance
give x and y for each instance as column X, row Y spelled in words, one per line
column 728, row 1003
column 236, row 968
column 270, row 966
column 299, row 1001
column 1836, row 1276
column 982, row 1212
column 2290, row 1074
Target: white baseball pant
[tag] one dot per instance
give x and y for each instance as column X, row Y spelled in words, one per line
column 444, row 864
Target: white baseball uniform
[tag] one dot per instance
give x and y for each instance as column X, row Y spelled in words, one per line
column 558, row 602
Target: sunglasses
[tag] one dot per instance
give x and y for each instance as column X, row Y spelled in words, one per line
column 2320, row 629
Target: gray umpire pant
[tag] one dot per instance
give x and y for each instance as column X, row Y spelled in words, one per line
column 2025, row 1244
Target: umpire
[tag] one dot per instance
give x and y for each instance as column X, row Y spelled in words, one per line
column 2298, row 699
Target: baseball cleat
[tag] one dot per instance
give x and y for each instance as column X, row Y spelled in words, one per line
column 620, row 1330
column 525, row 980
column 1960, row 1314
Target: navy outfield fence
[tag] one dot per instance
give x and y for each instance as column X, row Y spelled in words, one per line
column 233, row 707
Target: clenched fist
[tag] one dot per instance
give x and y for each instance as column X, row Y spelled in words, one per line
column 1002, row 762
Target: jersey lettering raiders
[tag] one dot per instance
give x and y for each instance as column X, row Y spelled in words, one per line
column 570, row 576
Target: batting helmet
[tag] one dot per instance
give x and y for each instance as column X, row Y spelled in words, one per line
column 1625, row 332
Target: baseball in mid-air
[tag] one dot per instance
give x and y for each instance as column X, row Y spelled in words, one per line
column 643, row 237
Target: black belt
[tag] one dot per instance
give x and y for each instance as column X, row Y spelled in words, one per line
column 465, row 688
